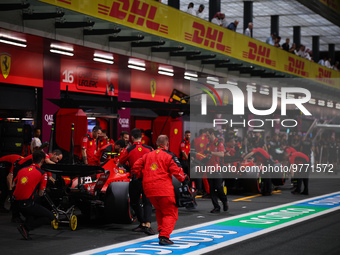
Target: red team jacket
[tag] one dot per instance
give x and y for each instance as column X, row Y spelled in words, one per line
column 28, row 180
column 156, row 168
column 133, row 153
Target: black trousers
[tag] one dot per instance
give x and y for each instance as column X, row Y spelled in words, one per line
column 216, row 191
column 3, row 186
column 143, row 213
column 35, row 214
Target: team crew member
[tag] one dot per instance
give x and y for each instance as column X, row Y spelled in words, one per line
column 104, row 140
column 6, row 178
column 262, row 157
column 216, row 149
column 145, row 140
column 103, row 154
column 31, row 181
column 184, row 152
column 89, row 146
column 298, row 158
column 156, row 168
column 200, row 143
column 131, row 154
column 36, row 142
column 124, row 135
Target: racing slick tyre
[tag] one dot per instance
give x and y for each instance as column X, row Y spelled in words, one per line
column 73, row 222
column 117, row 203
column 253, row 181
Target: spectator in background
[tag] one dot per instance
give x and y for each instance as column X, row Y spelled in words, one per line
column 36, row 142
column 219, row 19
column 322, row 61
column 285, row 46
column 200, row 10
column 233, row 26
column 336, row 66
column 277, row 42
column 247, row 31
column 191, row 9
column 293, row 49
column 271, row 39
column 303, row 52
column 328, row 63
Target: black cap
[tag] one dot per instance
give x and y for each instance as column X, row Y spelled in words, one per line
column 202, row 6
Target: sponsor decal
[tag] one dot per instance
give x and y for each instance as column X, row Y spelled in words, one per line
column 49, row 119
column 153, row 87
column 124, row 122
column 135, row 12
column 325, row 75
column 175, row 131
column 154, row 166
column 207, row 36
column 259, row 53
column 6, row 61
column 24, row 180
column 296, row 66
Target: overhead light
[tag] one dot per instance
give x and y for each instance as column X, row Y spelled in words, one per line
column 27, row 119
column 264, row 91
column 321, row 102
column 232, row 83
column 330, row 104
column 108, row 59
column 337, row 106
column 166, row 69
column 61, row 49
column 291, row 96
column 136, row 62
column 210, row 78
column 91, row 118
column 191, row 74
column 312, row 101
column 13, row 40
column 136, row 67
column 13, row 118
column 166, row 73
column 251, row 87
column 190, row 78
column 213, row 82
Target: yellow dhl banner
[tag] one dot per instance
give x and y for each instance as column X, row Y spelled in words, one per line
column 332, row 4
column 161, row 20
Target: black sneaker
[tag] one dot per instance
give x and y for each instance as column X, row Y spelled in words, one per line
column 215, row 210
column 24, row 232
column 149, row 231
column 294, row 192
column 140, row 228
column 165, row 241
column 304, row 193
column 225, row 206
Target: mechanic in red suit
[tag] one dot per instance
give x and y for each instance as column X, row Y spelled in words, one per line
column 103, row 154
column 157, row 168
column 89, row 146
column 6, row 178
column 31, row 181
column 301, row 162
column 184, row 149
column 131, row 155
column 103, row 140
column 262, row 157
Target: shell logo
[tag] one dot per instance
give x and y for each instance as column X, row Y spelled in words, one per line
column 24, row 180
column 175, row 131
column 139, row 149
column 154, row 166
column 201, row 145
column 90, row 143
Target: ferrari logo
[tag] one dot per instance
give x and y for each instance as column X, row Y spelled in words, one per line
column 140, row 149
column 175, row 131
column 201, row 145
column 24, row 180
column 153, row 87
column 5, row 64
column 154, row 166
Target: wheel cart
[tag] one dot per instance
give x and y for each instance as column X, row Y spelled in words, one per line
column 62, row 216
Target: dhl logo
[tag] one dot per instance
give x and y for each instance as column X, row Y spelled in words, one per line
column 296, row 66
column 259, row 53
column 209, row 37
column 138, row 13
column 325, row 76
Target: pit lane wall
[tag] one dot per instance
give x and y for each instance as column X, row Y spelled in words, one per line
column 164, row 21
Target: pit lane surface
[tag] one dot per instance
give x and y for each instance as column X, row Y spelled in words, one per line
column 315, row 236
